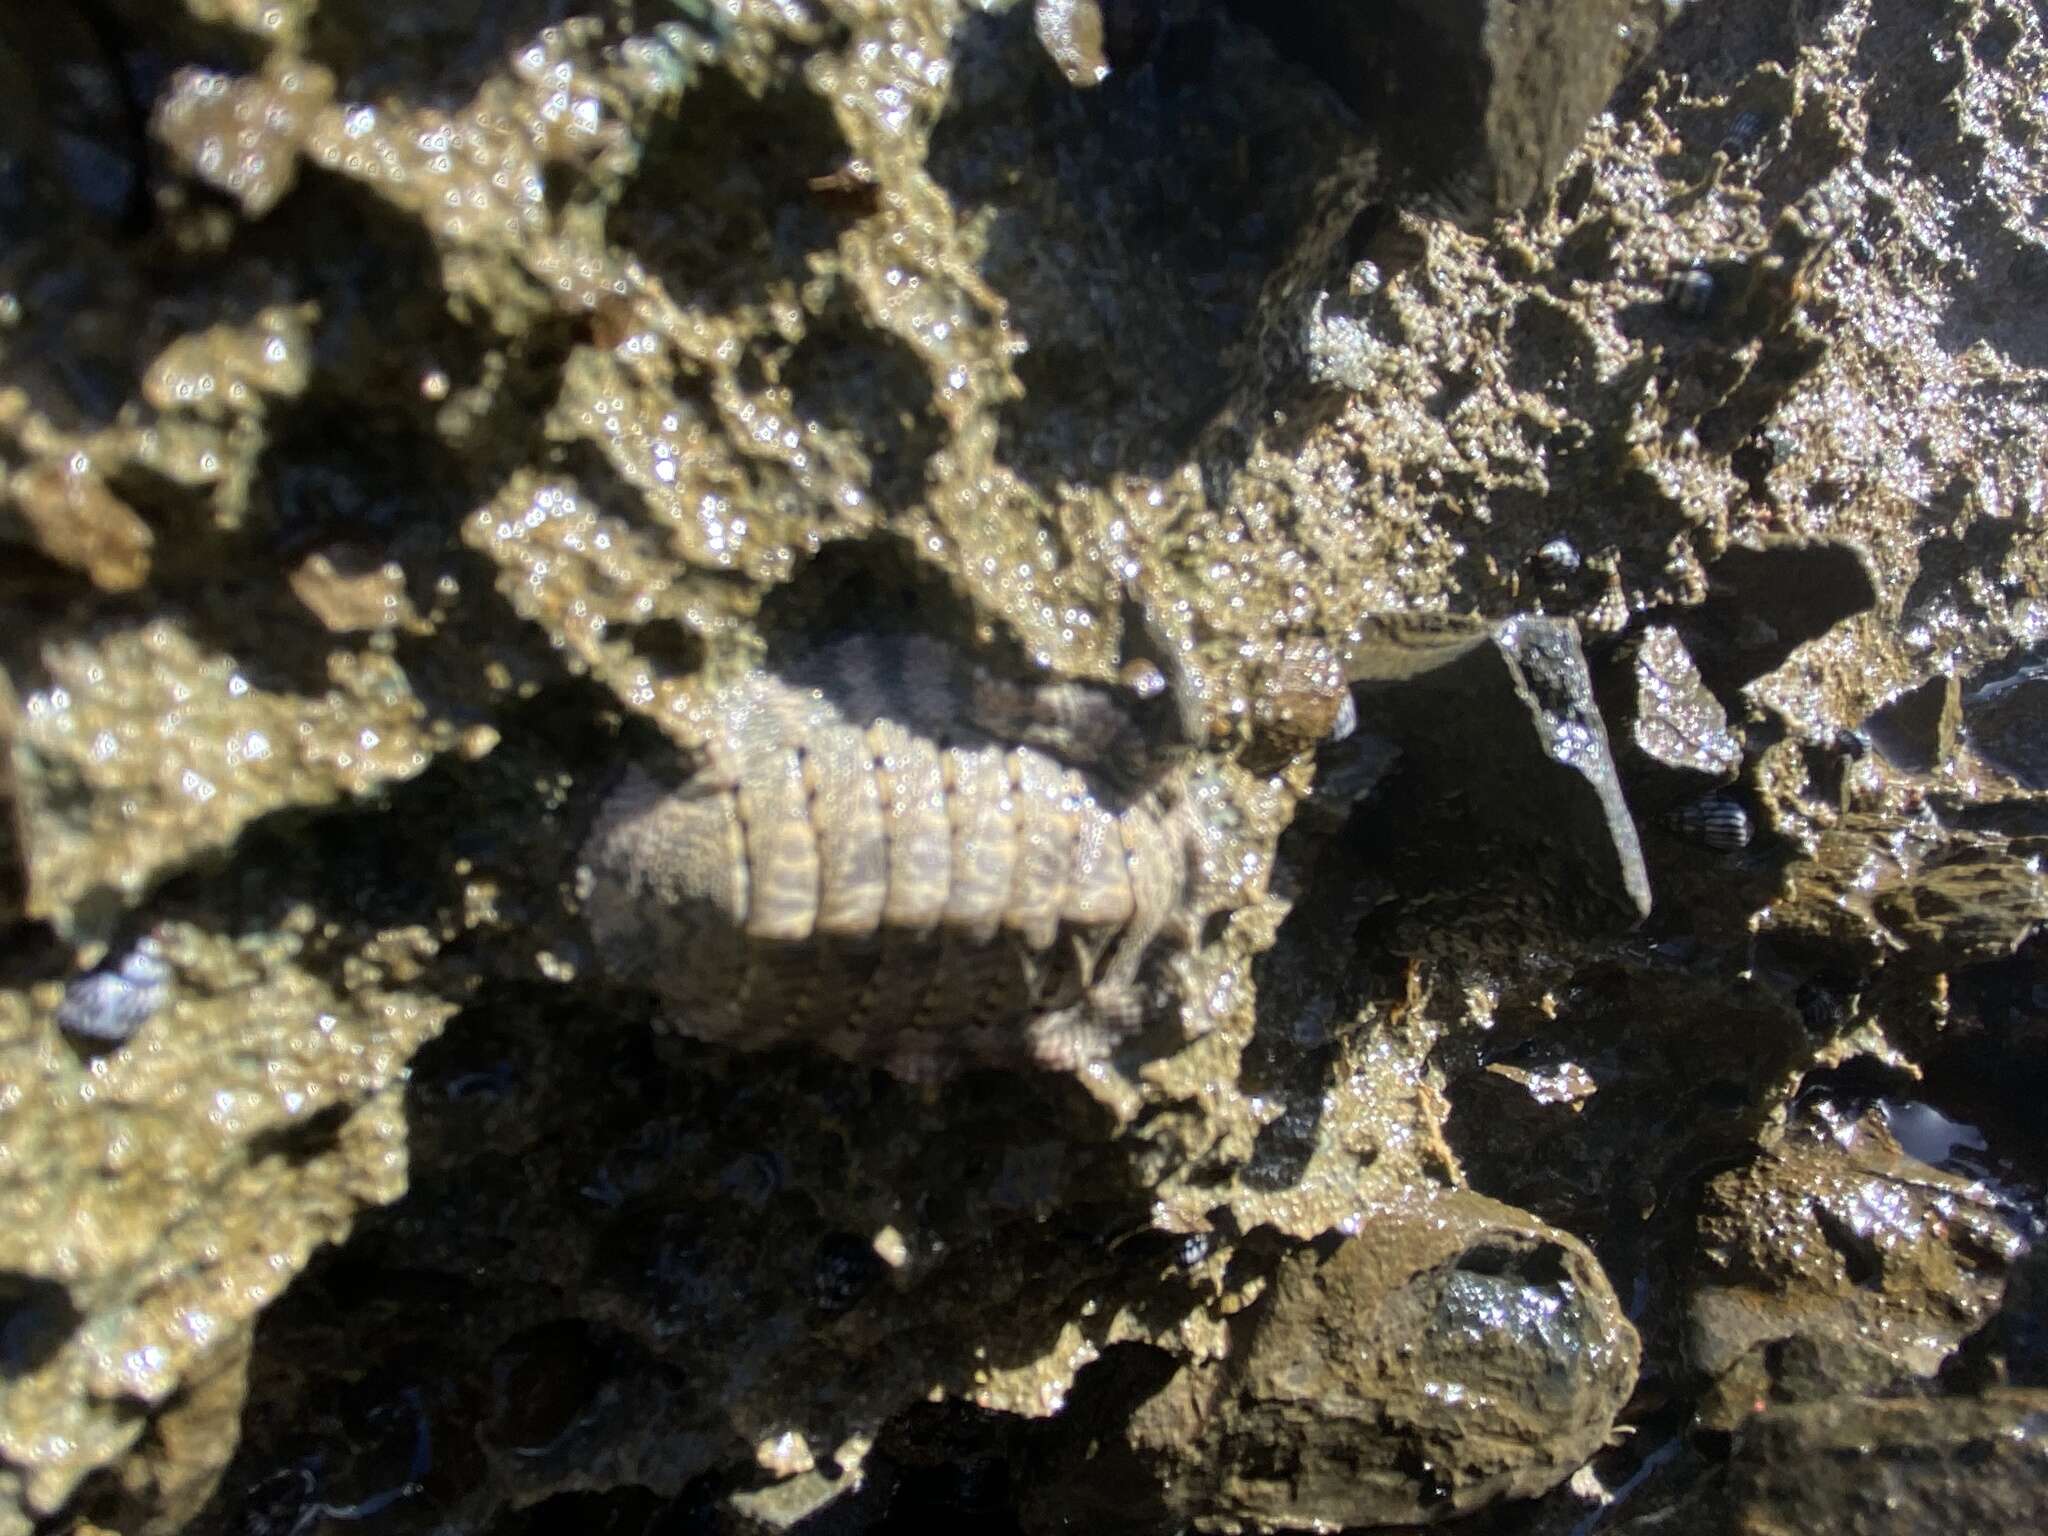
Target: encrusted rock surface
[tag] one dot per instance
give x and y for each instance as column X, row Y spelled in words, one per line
column 1452, row 1353
column 417, row 420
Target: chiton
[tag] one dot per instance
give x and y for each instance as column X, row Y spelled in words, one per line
column 897, row 855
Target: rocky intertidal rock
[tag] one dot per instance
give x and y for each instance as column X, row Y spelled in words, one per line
column 1454, row 1353
column 546, row 548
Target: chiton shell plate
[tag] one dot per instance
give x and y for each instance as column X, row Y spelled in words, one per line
column 891, row 853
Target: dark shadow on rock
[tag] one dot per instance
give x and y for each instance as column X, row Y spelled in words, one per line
column 613, row 1239
column 36, row 1317
column 1081, row 1464
column 437, row 57
column 1477, row 798
column 610, row 1239
column 726, row 207
column 353, row 469
column 1505, row 794
column 627, row 1511
column 78, row 143
column 1479, row 102
column 1764, row 602
column 1133, row 225
column 1913, row 120
column 1940, row 596
column 866, row 383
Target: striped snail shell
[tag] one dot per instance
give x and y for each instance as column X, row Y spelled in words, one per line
column 1714, row 821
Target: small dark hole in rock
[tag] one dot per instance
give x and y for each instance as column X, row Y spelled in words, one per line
column 1365, row 227
column 36, row 1317
column 30, row 951
column 1861, row 1260
column 1544, row 1265
column 869, row 586
column 1423, row 1475
column 668, row 646
column 1486, row 1259
column 300, row 1144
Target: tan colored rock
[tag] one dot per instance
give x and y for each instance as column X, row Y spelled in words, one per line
column 1451, row 1353
column 78, row 522
column 244, row 136
column 1838, row 1264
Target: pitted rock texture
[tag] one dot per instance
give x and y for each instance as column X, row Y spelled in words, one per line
column 1453, row 1352
column 412, row 413
column 868, row 858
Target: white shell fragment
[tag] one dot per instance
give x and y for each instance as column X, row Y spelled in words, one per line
column 109, row 1005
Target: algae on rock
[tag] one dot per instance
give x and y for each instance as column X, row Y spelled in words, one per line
column 411, row 414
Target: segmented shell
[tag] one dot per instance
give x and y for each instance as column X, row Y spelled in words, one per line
column 1744, row 133
column 890, row 853
column 1714, row 821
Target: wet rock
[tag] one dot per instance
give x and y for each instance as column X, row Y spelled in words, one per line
column 2023, row 1320
column 1919, row 730
column 1886, row 1467
column 1838, row 1264
column 1447, row 1356
column 524, row 381
column 1567, row 1106
column 1764, row 602
column 350, row 599
column 1504, row 766
column 1973, row 902
column 1673, row 736
column 1299, row 698
column 1482, row 102
column 301, row 1114
column 243, row 136
column 2007, row 723
column 144, row 748
column 1071, row 31
column 1875, row 888
column 13, row 869
column 176, row 1469
column 2012, row 1348
column 73, row 518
